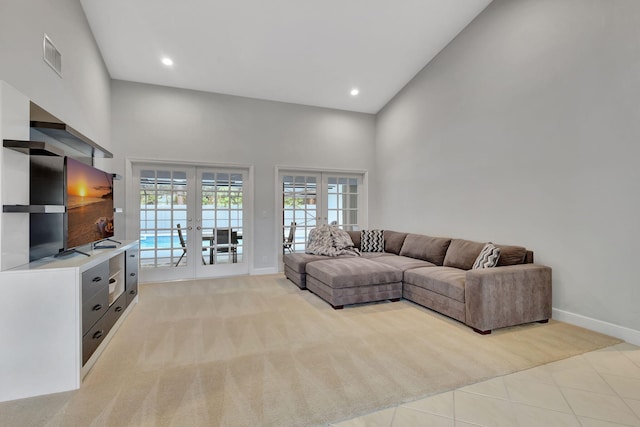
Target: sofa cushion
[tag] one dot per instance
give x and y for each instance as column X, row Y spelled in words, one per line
column 432, row 249
column 393, row 241
column 370, row 255
column 511, row 255
column 447, row 281
column 462, row 253
column 355, row 238
column 298, row 261
column 403, row 263
column 488, row 257
column 349, row 272
column 372, row 241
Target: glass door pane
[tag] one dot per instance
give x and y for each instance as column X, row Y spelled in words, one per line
column 342, row 201
column 163, row 218
column 300, row 207
column 220, row 224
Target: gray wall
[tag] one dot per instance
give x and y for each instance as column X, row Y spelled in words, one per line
column 155, row 122
column 525, row 130
column 82, row 97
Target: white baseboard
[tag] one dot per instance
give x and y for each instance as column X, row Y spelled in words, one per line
column 629, row 335
column 263, row 271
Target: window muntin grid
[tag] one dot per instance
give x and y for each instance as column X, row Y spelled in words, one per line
column 300, row 205
column 222, row 216
column 163, row 205
column 342, row 202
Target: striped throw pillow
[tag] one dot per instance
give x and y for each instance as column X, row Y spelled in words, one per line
column 372, row 241
column 488, row 257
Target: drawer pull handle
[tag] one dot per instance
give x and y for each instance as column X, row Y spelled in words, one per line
column 132, row 292
column 98, row 334
column 97, row 279
column 132, row 255
column 118, row 309
column 97, row 307
column 132, row 274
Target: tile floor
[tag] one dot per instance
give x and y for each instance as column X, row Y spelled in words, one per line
column 600, row 388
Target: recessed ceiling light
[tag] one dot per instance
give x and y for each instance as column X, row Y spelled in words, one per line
column 167, row 61
column 355, row 91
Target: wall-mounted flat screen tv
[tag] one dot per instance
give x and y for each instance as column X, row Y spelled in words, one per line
column 89, row 204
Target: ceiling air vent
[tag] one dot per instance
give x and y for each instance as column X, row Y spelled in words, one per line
column 52, row 56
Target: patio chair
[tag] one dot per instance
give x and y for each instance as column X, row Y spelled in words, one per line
column 184, row 246
column 288, row 242
column 227, row 241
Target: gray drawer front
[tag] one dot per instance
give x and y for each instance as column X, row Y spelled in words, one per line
column 131, row 292
column 95, row 279
column 95, row 308
column 92, row 339
column 131, row 266
column 131, row 272
column 115, row 311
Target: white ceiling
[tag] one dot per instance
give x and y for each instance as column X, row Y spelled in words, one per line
column 299, row 51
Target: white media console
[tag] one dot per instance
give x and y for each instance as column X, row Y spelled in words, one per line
column 58, row 314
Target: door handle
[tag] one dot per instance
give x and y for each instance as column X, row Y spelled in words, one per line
column 198, row 228
column 189, row 228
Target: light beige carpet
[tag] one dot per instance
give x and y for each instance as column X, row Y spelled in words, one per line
column 256, row 351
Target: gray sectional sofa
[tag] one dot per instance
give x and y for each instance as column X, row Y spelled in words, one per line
column 435, row 272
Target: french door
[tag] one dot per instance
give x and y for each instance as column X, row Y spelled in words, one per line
column 192, row 221
column 310, row 199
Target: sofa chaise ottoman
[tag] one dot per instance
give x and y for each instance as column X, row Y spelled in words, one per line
column 295, row 265
column 353, row 280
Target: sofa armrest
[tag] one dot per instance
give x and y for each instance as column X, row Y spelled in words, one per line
column 506, row 296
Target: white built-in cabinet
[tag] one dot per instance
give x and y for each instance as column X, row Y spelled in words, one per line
column 56, row 314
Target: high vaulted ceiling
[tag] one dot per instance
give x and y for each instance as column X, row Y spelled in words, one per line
column 298, row 51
